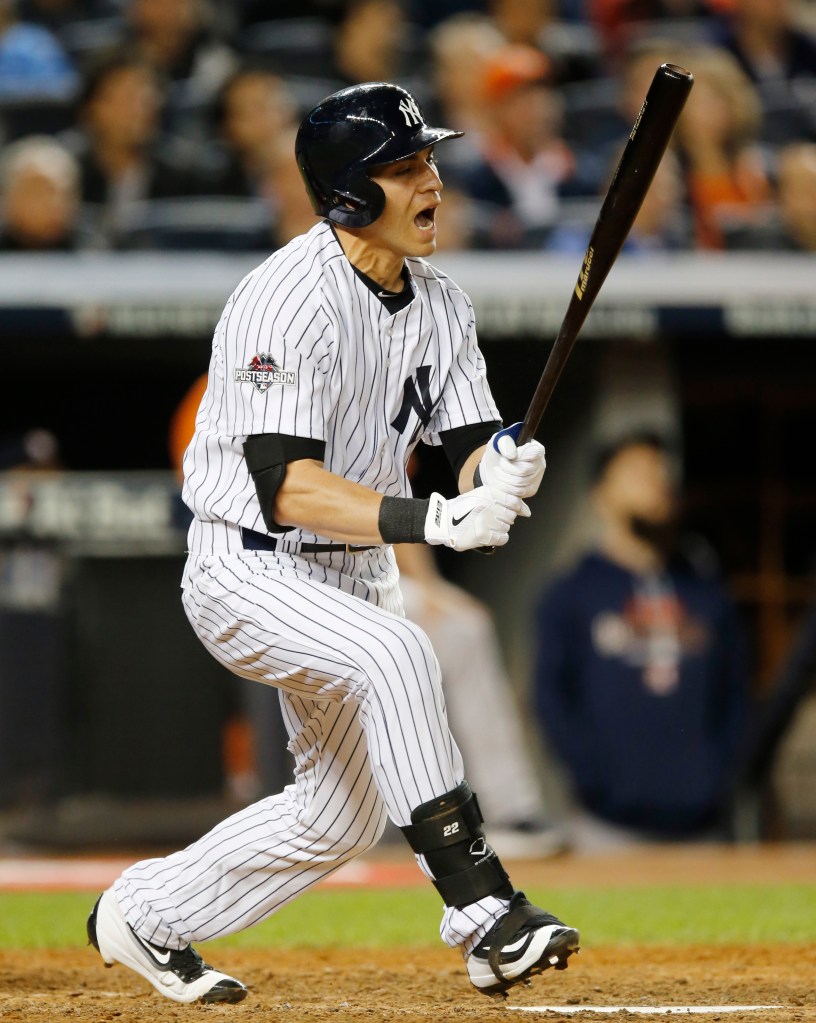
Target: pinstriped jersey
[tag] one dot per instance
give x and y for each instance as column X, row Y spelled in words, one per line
column 305, row 348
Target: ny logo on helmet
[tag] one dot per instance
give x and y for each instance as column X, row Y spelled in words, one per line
column 410, row 111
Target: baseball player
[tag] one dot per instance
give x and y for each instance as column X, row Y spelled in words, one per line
column 330, row 362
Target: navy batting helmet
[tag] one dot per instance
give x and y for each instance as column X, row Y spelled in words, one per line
column 350, row 132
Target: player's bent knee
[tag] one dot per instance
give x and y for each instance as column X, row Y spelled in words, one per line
column 411, row 658
column 347, row 843
column 414, row 641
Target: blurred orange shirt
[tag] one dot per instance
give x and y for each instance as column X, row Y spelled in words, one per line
column 182, row 425
column 718, row 198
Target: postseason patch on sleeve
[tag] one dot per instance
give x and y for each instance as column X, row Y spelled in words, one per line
column 263, row 372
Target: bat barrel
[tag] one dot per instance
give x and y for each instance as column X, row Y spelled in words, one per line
column 641, row 157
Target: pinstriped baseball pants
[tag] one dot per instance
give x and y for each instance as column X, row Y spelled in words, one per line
column 362, row 701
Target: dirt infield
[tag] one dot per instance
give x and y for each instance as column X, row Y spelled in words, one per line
column 425, row 985
column 420, row 987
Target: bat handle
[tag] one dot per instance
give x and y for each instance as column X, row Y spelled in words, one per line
column 525, row 432
column 515, row 432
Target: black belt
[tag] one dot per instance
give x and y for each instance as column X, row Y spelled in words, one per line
column 254, row 541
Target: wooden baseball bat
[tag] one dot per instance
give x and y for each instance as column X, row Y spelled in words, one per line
column 643, row 152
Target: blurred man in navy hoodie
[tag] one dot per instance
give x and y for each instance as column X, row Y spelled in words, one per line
column 641, row 681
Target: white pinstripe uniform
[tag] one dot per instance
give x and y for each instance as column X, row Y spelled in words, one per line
column 359, row 685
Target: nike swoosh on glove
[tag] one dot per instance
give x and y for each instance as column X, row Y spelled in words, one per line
column 480, row 518
column 515, row 469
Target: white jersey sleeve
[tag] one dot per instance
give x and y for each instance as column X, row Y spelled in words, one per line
column 274, row 344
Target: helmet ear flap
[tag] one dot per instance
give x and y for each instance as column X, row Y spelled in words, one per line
column 359, row 205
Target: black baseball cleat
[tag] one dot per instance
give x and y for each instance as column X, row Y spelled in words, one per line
column 180, row 975
column 523, row 942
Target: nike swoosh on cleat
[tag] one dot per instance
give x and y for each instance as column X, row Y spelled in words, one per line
column 455, row 522
column 160, row 958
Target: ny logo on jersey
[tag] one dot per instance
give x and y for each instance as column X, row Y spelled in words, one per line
column 417, row 399
column 410, row 111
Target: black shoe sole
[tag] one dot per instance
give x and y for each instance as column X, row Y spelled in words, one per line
column 563, row 947
column 227, row 995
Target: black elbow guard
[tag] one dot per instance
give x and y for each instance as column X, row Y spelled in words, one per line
column 267, row 455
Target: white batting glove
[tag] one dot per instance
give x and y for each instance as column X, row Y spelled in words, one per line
column 480, row 518
column 516, row 470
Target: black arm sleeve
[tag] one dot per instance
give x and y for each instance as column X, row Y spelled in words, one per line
column 461, row 442
column 267, row 455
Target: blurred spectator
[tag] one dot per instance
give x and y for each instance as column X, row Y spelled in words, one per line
column 31, row 451
column 178, row 41
column 122, row 159
column 523, row 21
column 572, row 46
column 368, row 41
column 725, row 174
column 776, row 717
column 779, row 55
column 662, row 224
column 640, row 678
column 524, row 164
column 182, row 424
column 252, row 111
column 796, row 185
column 461, row 46
column 33, row 63
column 39, row 186
column 791, row 227
column 293, row 210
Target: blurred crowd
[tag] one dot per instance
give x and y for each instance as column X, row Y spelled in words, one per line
column 138, row 124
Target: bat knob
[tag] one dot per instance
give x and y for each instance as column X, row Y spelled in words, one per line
column 675, row 71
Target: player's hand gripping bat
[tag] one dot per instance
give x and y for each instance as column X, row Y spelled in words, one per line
column 644, row 150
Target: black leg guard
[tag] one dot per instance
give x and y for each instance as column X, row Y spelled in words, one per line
column 448, row 832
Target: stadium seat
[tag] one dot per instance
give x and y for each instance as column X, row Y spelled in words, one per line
column 290, row 46
column 220, row 223
column 21, row 117
column 308, row 90
column 788, row 111
column 83, row 39
column 591, row 110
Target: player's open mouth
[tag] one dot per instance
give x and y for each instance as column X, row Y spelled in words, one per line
column 425, row 220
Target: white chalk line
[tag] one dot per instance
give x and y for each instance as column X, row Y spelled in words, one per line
column 666, row 1010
